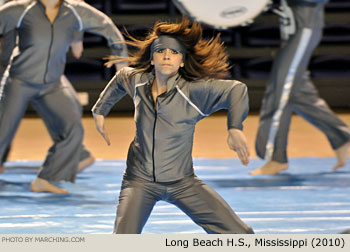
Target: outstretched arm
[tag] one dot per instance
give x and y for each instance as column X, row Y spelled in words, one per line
column 212, row 95
column 95, row 21
column 237, row 142
column 100, row 126
column 10, row 14
column 114, row 91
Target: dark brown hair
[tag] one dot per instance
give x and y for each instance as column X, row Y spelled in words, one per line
column 204, row 58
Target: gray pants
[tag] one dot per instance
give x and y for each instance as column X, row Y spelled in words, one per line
column 200, row 202
column 55, row 103
column 289, row 90
column 8, row 43
column 76, row 111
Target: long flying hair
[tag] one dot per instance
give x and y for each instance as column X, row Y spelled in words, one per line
column 204, row 58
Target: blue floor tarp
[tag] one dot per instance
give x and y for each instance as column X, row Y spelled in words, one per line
column 306, row 198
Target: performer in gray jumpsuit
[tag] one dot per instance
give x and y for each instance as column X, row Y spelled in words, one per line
column 45, row 30
column 173, row 86
column 290, row 89
column 7, row 45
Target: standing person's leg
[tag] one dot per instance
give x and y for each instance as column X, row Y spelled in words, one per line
column 315, row 110
column 279, row 160
column 206, row 207
column 276, row 112
column 85, row 157
column 7, row 44
column 13, row 104
column 136, row 201
column 61, row 163
column 286, row 78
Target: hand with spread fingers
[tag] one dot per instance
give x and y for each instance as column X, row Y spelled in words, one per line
column 100, row 126
column 237, row 142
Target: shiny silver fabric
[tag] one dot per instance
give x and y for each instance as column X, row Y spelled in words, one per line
column 162, row 148
column 195, row 198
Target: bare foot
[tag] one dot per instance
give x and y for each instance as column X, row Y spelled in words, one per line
column 270, row 168
column 42, row 185
column 2, row 168
column 85, row 163
column 341, row 154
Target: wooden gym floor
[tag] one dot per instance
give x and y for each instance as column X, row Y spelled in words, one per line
column 32, row 140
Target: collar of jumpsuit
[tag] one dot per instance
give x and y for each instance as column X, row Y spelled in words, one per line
column 171, row 82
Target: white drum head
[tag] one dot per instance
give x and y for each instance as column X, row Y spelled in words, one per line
column 222, row 13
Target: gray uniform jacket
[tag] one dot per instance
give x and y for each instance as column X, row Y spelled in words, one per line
column 162, row 148
column 43, row 45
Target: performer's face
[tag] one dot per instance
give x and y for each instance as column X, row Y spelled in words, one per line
column 167, row 61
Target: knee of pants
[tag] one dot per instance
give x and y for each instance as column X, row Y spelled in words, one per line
column 74, row 130
column 78, row 130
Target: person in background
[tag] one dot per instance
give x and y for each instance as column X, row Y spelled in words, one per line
column 35, row 76
column 7, row 45
column 289, row 90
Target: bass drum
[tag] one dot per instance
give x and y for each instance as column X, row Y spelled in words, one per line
column 222, row 14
